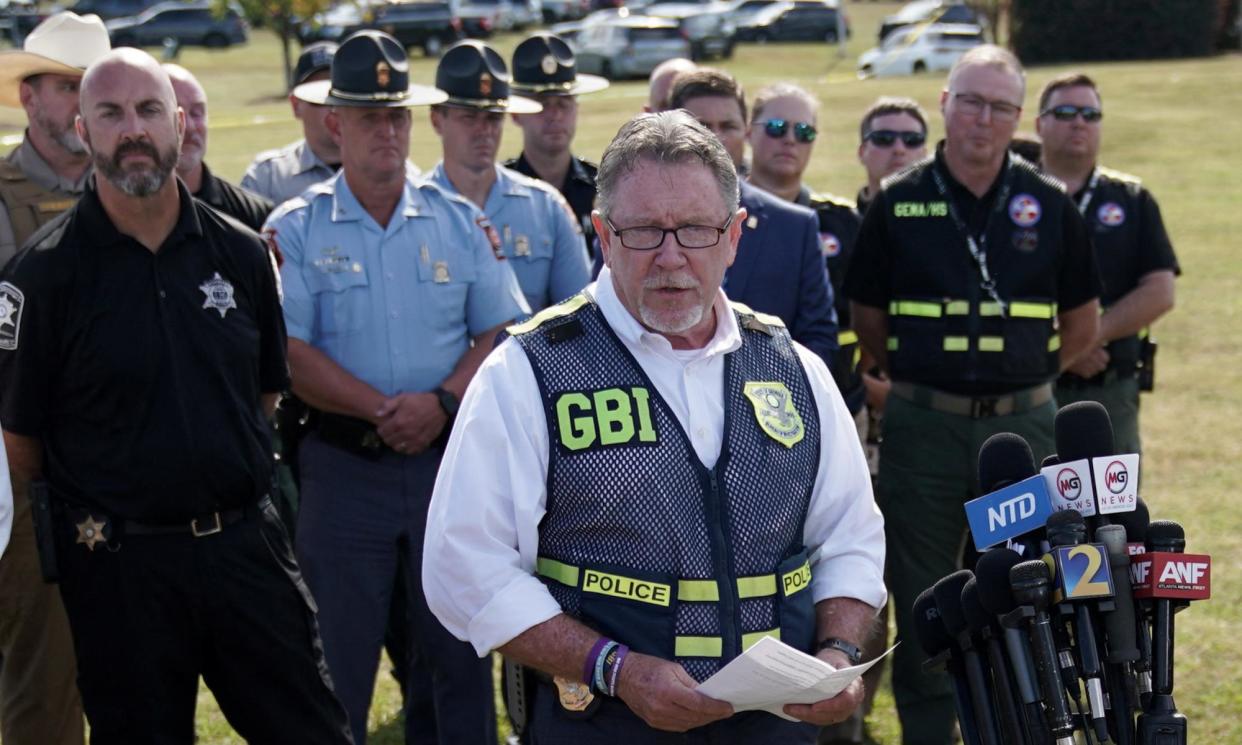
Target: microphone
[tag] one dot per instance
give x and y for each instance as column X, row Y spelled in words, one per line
column 942, row 654
column 1136, row 523
column 1173, row 579
column 948, row 594
column 1084, row 436
column 1032, row 590
column 1120, row 634
column 985, row 633
column 996, row 597
column 1082, row 573
column 1015, row 499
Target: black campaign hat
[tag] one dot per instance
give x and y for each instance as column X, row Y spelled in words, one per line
column 544, row 64
column 314, row 58
column 474, row 76
column 370, row 68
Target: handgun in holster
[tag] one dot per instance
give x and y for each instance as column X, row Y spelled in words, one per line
column 1147, row 364
column 45, row 532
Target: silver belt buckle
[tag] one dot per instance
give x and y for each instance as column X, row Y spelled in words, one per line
column 209, row 530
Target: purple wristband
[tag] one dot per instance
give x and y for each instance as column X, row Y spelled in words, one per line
column 588, row 671
column 622, row 651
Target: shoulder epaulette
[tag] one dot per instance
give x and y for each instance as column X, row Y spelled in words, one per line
column 1030, row 168
column 906, row 174
column 1119, row 176
column 824, row 198
column 562, row 309
column 753, row 320
column 49, row 234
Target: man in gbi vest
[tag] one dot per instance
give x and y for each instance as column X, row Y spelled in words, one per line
column 45, row 174
column 973, row 285
column 669, row 478
column 41, row 178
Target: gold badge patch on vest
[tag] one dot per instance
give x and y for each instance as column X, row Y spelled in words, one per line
column 775, row 412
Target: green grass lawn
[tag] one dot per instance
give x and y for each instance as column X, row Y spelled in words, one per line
column 1175, row 123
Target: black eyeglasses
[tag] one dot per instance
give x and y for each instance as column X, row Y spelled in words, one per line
column 648, row 237
column 887, row 137
column 776, row 129
column 1066, row 113
column 973, row 105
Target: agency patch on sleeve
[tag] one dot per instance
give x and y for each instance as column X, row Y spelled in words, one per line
column 11, row 302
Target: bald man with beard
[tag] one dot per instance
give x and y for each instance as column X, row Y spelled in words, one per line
column 151, row 418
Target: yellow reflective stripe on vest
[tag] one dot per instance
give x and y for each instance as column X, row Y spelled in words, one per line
column 555, row 570
column 991, row 343
column 756, row 587
column 914, row 308
column 626, row 588
column 698, row 590
column 956, row 343
column 989, row 309
column 1054, row 343
column 847, row 337
column 698, row 646
column 751, row 639
column 957, row 308
column 891, row 344
column 547, row 314
column 1032, row 310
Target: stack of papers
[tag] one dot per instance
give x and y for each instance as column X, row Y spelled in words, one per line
column 772, row 674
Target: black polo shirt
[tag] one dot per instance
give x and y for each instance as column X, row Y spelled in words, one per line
column 578, row 190
column 142, row 372
column 246, row 207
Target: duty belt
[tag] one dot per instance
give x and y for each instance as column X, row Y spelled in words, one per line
column 686, row 590
column 975, row 407
column 356, row 436
column 203, row 525
column 1108, row 377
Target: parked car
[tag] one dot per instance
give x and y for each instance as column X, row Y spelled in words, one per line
column 570, row 30
column 527, row 13
column 795, row 22
column 481, row 18
column 929, row 11
column 924, row 48
column 187, row 23
column 630, row 46
column 430, row 26
column 565, row 10
column 705, row 25
column 109, row 9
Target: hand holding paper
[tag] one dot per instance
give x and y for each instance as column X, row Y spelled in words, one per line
column 772, row 674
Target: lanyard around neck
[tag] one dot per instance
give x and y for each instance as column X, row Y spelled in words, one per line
column 978, row 247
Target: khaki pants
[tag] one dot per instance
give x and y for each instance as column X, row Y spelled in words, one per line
column 39, row 702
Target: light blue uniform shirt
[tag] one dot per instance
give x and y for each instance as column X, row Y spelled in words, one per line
column 538, row 234
column 397, row 306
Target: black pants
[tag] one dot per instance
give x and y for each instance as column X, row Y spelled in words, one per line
column 614, row 723
column 150, row 614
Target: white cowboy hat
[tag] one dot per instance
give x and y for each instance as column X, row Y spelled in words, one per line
column 65, row 44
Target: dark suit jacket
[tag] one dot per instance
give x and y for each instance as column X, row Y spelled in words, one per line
column 780, row 270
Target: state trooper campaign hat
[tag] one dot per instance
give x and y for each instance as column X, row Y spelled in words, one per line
column 315, row 58
column 370, row 68
column 544, row 64
column 474, row 76
column 64, row 44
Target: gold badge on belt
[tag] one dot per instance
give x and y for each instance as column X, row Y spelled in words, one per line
column 91, row 531
column 775, row 412
column 574, row 696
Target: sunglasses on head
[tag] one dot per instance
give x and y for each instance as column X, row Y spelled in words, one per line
column 1067, row 112
column 776, row 129
column 887, row 137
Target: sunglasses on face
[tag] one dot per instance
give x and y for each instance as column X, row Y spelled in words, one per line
column 1067, row 112
column 887, row 137
column 776, row 129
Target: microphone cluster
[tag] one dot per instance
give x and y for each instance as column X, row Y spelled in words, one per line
column 1075, row 593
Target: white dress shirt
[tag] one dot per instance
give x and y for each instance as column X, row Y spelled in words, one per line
column 6, row 500
column 483, row 526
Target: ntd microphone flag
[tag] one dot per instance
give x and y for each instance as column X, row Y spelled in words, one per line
column 1008, row 513
column 1070, row 486
column 1116, row 482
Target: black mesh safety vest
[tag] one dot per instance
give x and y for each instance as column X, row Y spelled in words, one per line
column 640, row 540
column 944, row 328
